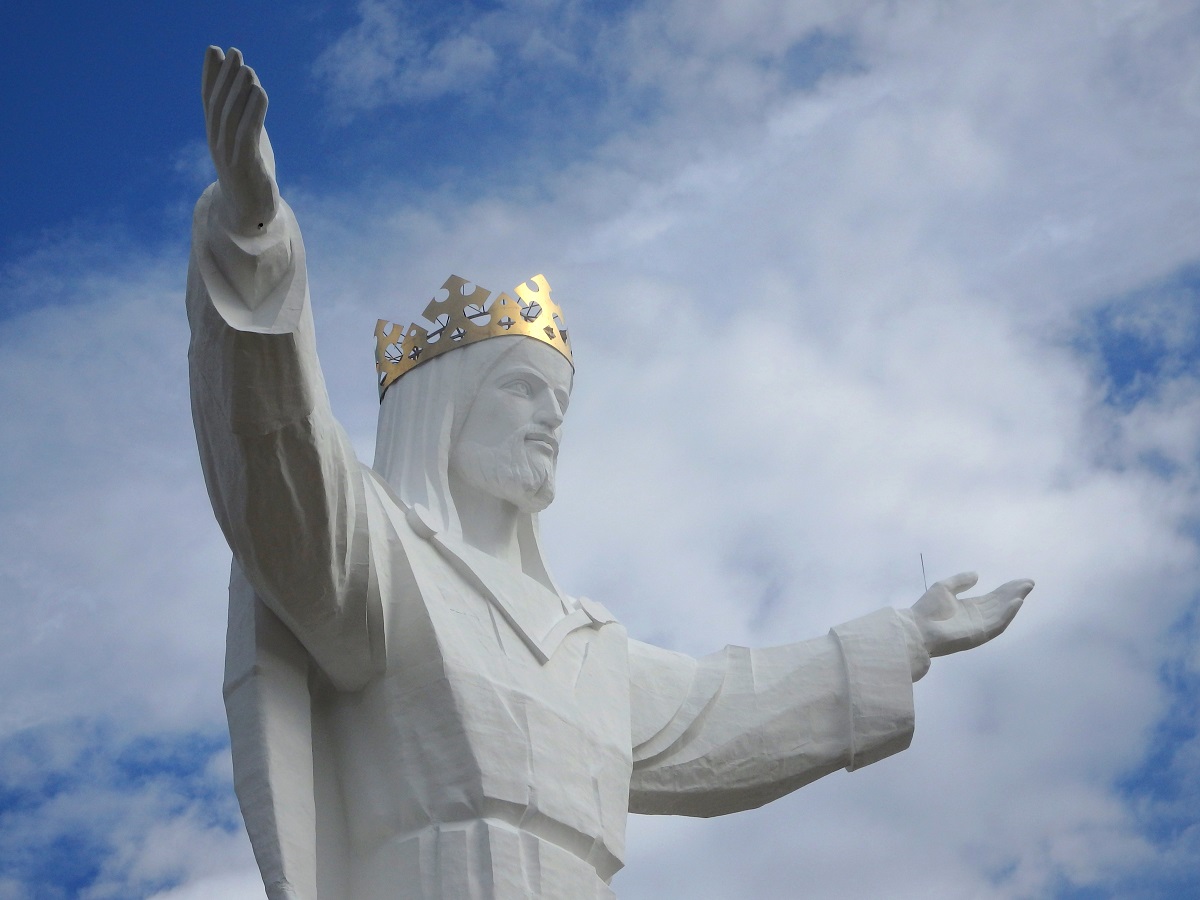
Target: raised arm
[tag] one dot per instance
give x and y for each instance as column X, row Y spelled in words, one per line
column 284, row 483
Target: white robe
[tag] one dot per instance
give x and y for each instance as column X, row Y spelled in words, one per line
column 410, row 718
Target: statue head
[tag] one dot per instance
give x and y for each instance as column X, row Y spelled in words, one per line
column 507, row 443
column 487, row 415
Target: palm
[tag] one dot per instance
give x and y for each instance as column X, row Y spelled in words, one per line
column 949, row 623
column 235, row 108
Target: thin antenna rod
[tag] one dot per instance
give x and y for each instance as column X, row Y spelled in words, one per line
column 923, row 578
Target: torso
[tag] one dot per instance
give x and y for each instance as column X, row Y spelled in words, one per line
column 471, row 758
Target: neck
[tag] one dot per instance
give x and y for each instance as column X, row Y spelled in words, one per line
column 488, row 523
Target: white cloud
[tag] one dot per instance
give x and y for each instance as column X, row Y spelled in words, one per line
column 193, row 164
column 393, row 55
column 244, row 885
column 112, row 577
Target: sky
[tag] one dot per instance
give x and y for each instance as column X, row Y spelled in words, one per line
column 850, row 284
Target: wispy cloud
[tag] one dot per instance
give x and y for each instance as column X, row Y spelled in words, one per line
column 401, row 52
column 93, row 813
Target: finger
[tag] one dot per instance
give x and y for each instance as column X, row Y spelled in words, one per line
column 956, row 584
column 213, row 57
column 265, row 151
column 216, row 98
column 1005, row 616
column 993, row 612
column 231, row 115
column 230, row 67
column 1018, row 589
column 251, row 124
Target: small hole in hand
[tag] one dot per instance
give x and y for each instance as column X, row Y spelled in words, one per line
column 260, row 224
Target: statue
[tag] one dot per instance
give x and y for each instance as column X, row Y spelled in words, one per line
column 416, row 710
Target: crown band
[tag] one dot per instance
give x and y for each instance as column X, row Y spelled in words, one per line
column 465, row 317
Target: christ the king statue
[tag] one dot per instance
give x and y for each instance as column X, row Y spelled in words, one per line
column 416, row 709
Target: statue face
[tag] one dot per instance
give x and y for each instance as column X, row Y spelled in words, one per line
column 508, row 444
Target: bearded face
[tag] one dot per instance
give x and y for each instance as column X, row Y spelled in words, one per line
column 511, row 471
column 507, row 446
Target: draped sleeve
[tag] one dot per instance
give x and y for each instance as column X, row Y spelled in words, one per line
column 286, row 487
column 739, row 728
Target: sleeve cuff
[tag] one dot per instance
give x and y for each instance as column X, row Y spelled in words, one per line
column 918, row 656
column 251, row 278
column 875, row 651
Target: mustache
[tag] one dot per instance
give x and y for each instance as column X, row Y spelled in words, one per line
column 539, row 434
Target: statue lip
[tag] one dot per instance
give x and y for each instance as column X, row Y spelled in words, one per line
column 541, row 437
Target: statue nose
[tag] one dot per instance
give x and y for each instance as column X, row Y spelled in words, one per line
column 550, row 414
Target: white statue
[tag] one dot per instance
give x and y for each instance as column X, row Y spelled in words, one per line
column 416, row 709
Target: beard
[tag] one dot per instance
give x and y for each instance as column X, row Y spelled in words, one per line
column 512, row 471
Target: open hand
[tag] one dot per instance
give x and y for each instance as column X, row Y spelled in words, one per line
column 949, row 623
column 235, row 107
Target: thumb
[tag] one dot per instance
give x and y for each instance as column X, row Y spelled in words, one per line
column 935, row 603
column 963, row 581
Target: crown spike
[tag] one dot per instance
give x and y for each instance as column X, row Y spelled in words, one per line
column 465, row 317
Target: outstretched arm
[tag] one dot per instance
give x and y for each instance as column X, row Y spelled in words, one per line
column 739, row 728
column 285, row 485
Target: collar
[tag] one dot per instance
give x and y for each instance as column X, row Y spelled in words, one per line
column 499, row 583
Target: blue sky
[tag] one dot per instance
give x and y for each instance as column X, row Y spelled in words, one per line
column 109, row 109
column 101, row 106
column 849, row 282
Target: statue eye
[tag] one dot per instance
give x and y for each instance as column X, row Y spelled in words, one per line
column 520, row 387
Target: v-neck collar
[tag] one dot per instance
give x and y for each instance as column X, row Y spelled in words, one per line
column 542, row 624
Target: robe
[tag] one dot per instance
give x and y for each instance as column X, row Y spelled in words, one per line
column 411, row 718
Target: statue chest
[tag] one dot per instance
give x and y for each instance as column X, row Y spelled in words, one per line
column 495, row 704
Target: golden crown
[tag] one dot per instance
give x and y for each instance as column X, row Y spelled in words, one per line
column 465, row 317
